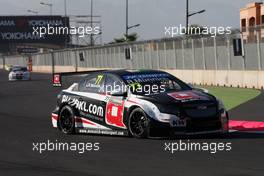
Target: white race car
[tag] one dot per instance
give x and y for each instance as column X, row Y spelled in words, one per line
column 19, row 73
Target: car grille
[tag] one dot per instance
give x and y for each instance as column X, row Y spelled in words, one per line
column 194, row 125
column 19, row 76
column 202, row 117
column 200, row 110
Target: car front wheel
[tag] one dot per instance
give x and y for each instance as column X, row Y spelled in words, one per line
column 139, row 123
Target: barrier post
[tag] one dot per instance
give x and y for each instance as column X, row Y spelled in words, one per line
column 3, row 57
column 30, row 64
column 52, row 63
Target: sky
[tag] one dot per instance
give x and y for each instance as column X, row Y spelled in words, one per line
column 152, row 15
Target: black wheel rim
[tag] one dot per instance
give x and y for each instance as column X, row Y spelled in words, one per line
column 66, row 121
column 138, row 123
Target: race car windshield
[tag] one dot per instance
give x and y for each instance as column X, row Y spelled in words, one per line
column 154, row 83
column 19, row 69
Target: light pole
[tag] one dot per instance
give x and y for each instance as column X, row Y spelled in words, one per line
column 32, row 11
column 127, row 26
column 65, row 19
column 47, row 4
column 65, row 7
column 188, row 15
column 91, row 35
column 126, row 18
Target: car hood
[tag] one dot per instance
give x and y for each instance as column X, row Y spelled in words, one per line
column 178, row 97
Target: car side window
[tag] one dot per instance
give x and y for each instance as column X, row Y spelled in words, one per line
column 114, row 84
column 92, row 84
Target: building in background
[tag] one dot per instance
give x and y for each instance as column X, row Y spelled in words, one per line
column 252, row 21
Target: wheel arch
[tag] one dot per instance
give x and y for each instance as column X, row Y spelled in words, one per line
column 60, row 108
column 128, row 112
column 148, row 107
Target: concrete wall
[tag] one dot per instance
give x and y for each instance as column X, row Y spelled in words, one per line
column 230, row 78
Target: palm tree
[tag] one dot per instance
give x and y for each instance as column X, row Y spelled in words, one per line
column 129, row 38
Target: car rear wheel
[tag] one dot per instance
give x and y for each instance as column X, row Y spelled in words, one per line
column 67, row 120
column 139, row 123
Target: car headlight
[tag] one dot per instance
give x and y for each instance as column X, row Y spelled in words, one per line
column 168, row 109
column 166, row 117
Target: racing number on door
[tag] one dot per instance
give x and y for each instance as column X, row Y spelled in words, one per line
column 99, row 79
column 114, row 115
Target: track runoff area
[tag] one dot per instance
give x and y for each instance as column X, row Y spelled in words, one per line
column 25, row 108
column 245, row 105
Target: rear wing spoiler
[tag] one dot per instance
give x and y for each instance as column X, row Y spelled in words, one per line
column 57, row 77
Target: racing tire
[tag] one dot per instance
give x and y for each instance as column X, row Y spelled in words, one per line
column 66, row 121
column 139, row 124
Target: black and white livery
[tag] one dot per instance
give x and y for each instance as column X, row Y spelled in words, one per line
column 140, row 103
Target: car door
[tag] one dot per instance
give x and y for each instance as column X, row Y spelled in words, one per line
column 91, row 92
column 115, row 103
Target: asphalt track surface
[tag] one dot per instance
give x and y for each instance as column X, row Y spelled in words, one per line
column 25, row 118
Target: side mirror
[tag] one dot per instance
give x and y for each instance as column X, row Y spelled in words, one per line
column 119, row 94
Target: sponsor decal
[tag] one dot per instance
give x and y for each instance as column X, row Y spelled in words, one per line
column 202, row 107
column 56, row 80
column 177, row 122
column 105, row 132
column 82, row 122
column 155, row 75
column 114, row 116
column 83, row 106
column 30, row 28
column 20, row 36
column 187, row 95
column 114, row 111
column 142, row 78
column 23, row 22
column 45, row 22
column 97, row 83
column 7, row 23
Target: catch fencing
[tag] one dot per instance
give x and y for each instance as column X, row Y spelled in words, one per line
column 181, row 53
